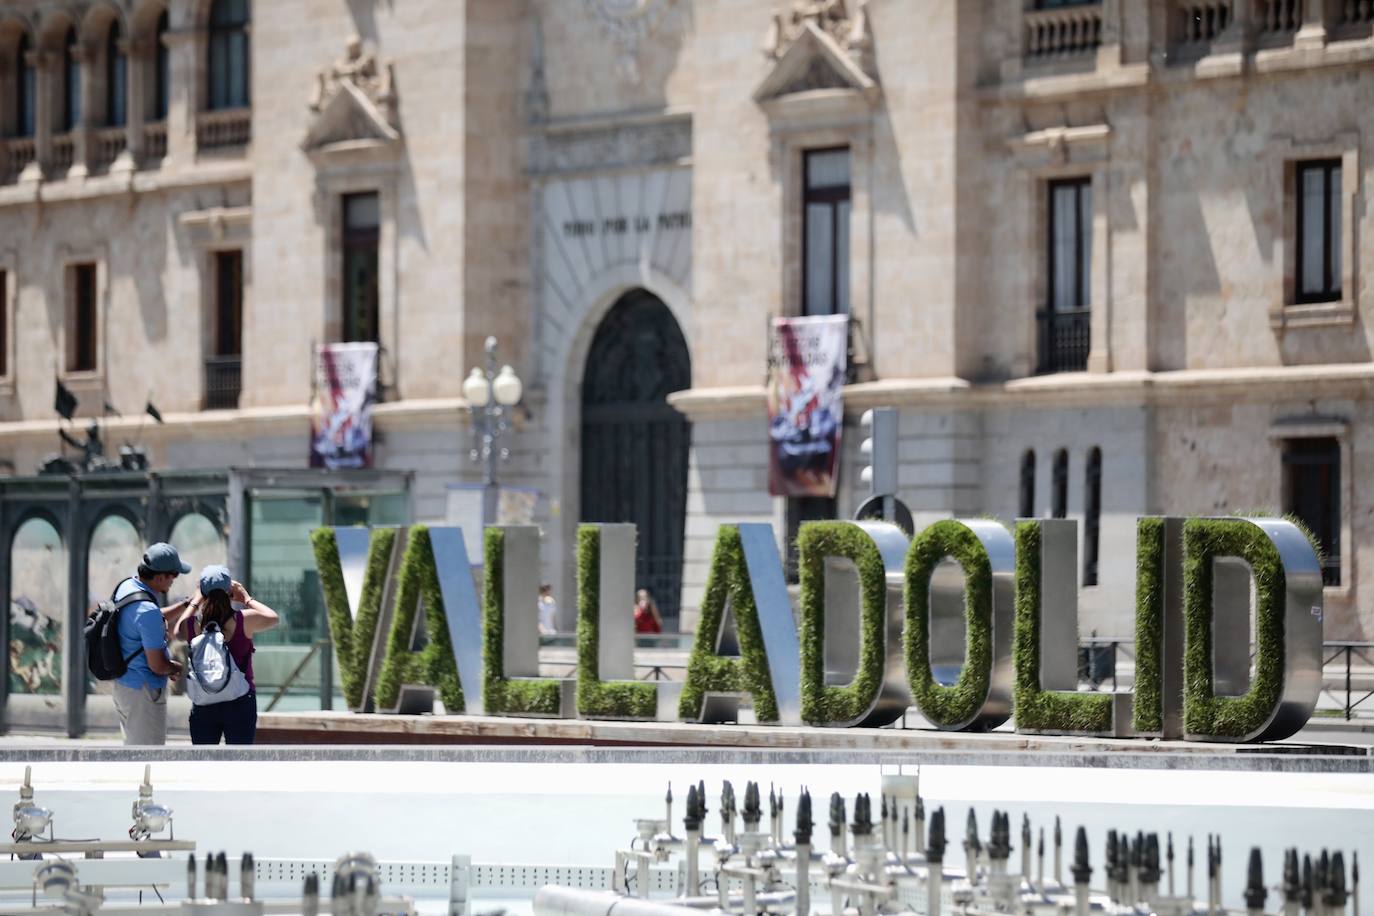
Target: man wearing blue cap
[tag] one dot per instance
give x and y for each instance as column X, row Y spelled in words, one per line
column 140, row 695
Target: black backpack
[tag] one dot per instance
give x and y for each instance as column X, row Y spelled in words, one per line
column 104, row 656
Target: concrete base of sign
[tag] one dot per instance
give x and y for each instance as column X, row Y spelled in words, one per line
column 351, row 728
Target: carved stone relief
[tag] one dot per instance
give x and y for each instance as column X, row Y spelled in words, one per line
column 628, row 22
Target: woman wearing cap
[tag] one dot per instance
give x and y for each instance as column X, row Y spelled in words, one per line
column 236, row 721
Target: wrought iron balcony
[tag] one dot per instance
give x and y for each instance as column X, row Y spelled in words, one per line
column 223, row 381
column 1065, row 338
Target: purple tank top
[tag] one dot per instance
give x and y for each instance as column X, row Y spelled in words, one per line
column 240, row 645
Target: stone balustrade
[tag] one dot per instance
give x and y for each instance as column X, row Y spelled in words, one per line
column 15, row 155
column 217, row 129
column 155, row 140
column 1280, row 16
column 1063, row 31
column 1357, row 12
column 107, row 144
column 61, row 155
column 1201, row 23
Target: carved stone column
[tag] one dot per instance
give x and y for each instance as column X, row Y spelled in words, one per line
column 86, row 54
column 1313, row 31
column 184, row 101
column 44, row 97
column 136, row 52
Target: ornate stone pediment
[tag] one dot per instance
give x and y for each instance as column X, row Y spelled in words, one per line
column 354, row 103
column 849, row 30
column 812, row 61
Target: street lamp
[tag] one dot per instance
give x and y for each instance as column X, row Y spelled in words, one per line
column 489, row 394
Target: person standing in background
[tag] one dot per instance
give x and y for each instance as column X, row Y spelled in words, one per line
column 548, row 611
column 140, row 694
column 647, row 617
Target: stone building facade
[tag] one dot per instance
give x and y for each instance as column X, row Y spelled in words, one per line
column 1106, row 257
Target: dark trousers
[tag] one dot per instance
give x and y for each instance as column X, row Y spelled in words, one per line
column 235, row 721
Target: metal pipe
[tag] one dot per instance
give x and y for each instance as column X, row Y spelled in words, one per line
column 1082, row 871
column 246, row 876
column 1058, row 854
column 804, row 878
column 935, row 854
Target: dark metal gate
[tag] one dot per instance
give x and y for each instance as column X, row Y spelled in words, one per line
column 634, row 446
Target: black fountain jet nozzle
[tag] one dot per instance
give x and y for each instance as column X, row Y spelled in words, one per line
column 972, row 845
column 1254, row 881
column 1080, row 869
column 752, row 811
column 836, row 814
column 1306, row 897
column 999, row 844
column 1292, row 877
column 1149, row 860
column 863, row 815
column 935, row 845
column 691, row 820
column 1336, row 893
column 803, row 832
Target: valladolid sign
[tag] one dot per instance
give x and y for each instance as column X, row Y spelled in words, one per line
column 408, row 624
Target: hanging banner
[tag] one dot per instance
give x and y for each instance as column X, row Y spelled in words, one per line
column 806, row 370
column 341, row 410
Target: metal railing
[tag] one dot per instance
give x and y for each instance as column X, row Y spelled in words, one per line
column 223, row 382
column 217, row 129
column 1346, row 652
column 1062, row 31
column 1065, row 339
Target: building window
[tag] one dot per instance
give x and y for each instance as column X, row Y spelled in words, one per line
column 1312, row 468
column 801, row 509
column 825, row 232
column 1027, row 506
column 1065, row 326
column 25, row 90
column 71, row 84
column 361, row 234
column 116, row 71
column 224, row 366
column 81, row 324
column 1092, row 515
column 1319, row 231
column 1059, row 485
column 162, row 70
column 228, row 55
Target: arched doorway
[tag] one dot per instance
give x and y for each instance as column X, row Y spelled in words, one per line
column 634, row 446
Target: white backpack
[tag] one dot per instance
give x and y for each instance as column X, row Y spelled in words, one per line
column 214, row 678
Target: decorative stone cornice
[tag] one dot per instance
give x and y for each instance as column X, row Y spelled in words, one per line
column 1263, row 385
column 355, row 109
column 607, row 145
column 217, row 225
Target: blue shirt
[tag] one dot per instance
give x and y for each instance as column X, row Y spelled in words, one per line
column 140, row 628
